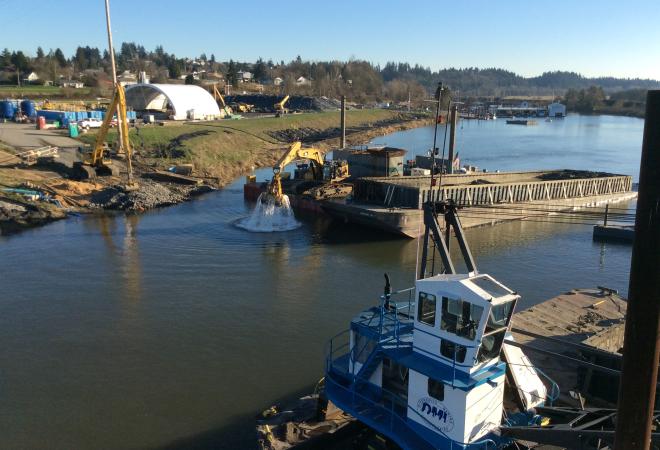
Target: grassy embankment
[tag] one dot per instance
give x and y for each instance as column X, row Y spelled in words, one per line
column 229, row 148
column 40, row 92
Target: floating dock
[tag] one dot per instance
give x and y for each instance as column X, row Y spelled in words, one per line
column 395, row 204
column 620, row 233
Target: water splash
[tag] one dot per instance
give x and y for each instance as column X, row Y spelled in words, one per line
column 268, row 217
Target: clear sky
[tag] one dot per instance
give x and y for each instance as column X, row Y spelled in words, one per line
column 606, row 37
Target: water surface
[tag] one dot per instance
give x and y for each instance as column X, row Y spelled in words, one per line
column 172, row 329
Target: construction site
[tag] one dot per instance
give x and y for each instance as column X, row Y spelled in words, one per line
column 54, row 162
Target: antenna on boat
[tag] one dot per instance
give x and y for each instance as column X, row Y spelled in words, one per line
column 435, row 205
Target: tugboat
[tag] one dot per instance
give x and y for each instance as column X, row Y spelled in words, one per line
column 425, row 371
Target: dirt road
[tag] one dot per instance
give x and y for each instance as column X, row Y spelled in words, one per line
column 26, row 136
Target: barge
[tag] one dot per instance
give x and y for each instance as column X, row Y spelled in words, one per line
column 395, row 205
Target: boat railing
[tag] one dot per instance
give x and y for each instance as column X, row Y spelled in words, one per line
column 393, row 308
column 338, row 343
column 386, row 418
column 394, row 312
column 553, row 395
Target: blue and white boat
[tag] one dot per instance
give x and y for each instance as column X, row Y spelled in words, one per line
column 423, row 367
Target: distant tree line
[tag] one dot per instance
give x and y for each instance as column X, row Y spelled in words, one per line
column 359, row 79
column 595, row 100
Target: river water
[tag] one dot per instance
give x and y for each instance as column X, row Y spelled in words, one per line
column 172, row 329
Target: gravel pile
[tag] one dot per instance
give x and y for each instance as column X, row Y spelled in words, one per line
column 572, row 174
column 148, row 195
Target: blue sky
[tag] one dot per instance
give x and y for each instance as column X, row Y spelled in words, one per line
column 617, row 38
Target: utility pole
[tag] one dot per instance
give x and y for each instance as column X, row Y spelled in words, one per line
column 639, row 372
column 342, row 144
column 452, row 137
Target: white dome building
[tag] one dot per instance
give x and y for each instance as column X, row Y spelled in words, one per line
column 177, row 101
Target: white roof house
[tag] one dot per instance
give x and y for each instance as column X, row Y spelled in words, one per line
column 302, row 81
column 182, row 101
column 244, row 76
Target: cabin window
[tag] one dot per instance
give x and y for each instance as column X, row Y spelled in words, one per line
column 491, row 344
column 363, row 348
column 426, row 309
column 436, row 389
column 460, row 317
column 498, row 322
column 499, row 316
column 451, row 350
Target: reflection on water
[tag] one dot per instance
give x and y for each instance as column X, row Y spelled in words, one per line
column 172, row 329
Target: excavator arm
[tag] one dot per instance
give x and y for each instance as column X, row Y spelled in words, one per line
column 295, row 153
column 279, row 106
column 93, row 162
column 117, row 106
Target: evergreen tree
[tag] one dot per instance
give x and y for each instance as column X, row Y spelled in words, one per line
column 40, row 53
column 174, row 68
column 59, row 57
column 5, row 59
column 232, row 75
column 19, row 61
column 260, row 71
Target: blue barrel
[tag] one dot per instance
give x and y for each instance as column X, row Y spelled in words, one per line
column 7, row 109
column 27, row 106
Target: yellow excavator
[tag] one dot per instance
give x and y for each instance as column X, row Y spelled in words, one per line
column 317, row 170
column 279, row 107
column 242, row 107
column 94, row 161
column 229, row 114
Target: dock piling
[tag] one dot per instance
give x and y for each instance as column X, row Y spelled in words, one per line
column 640, row 348
column 452, row 138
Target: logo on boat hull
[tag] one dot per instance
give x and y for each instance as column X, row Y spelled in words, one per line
column 437, row 413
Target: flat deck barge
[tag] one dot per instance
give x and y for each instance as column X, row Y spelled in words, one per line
column 395, row 204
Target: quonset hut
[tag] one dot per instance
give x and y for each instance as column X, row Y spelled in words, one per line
column 172, row 101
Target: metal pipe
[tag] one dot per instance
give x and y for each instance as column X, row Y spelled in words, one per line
column 640, row 346
column 111, row 51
